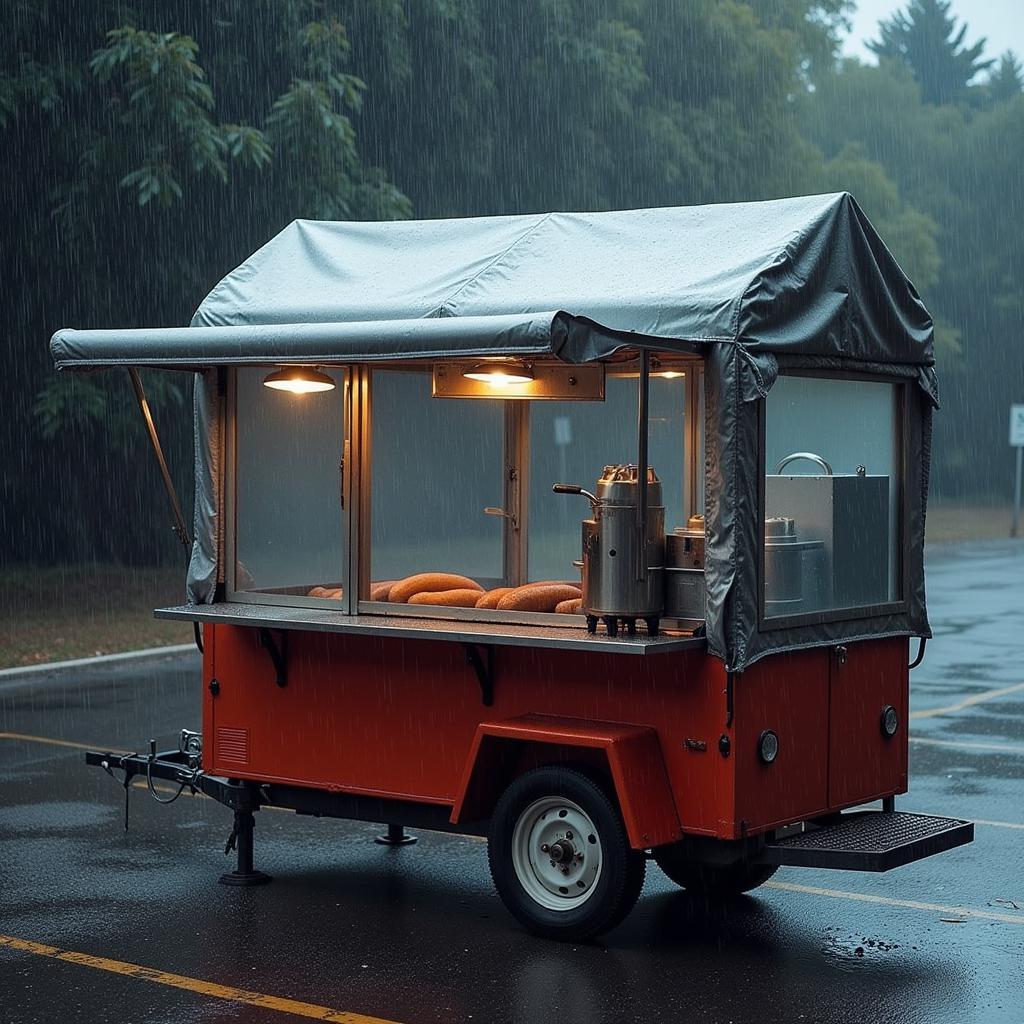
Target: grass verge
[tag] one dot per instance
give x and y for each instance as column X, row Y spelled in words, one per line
column 61, row 612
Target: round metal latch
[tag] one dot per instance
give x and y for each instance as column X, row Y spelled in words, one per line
column 767, row 747
column 890, row 721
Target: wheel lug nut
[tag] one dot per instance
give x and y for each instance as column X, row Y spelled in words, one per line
column 568, row 835
column 544, row 847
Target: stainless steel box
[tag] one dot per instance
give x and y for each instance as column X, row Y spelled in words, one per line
column 850, row 515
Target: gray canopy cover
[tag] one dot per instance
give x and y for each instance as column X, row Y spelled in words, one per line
column 753, row 287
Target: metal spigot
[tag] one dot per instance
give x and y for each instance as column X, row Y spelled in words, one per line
column 595, row 501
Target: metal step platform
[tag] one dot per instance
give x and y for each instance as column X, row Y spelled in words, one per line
column 869, row 841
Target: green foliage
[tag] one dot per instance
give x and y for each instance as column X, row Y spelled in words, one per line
column 926, row 39
column 941, row 183
column 153, row 147
column 1006, row 82
column 911, row 235
column 144, row 167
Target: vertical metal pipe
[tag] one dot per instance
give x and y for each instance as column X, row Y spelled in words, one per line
column 641, row 461
column 1015, row 529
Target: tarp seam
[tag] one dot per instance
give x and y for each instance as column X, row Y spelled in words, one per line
column 440, row 311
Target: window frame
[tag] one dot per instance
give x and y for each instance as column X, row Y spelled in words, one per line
column 356, row 515
column 772, row 624
column 230, row 581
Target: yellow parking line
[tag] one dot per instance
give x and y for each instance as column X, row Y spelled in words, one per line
column 25, row 738
column 999, row 748
column 196, row 985
column 967, row 702
column 863, row 897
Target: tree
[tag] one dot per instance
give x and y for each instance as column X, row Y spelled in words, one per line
column 150, row 154
column 925, row 38
column 940, row 181
column 1007, row 79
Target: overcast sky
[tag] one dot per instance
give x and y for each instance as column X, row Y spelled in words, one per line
column 1000, row 21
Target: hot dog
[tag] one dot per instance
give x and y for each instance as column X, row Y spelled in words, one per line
column 538, row 598
column 570, row 607
column 432, row 582
column 381, row 591
column 463, row 598
column 492, row 597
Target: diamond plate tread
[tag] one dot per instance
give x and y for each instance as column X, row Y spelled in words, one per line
column 871, row 832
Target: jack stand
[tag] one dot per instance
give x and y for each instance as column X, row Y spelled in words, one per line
column 395, row 836
column 242, row 838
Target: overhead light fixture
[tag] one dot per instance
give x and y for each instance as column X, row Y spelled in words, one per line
column 299, row 380
column 658, row 369
column 500, row 375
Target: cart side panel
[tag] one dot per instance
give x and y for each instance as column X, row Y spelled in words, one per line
column 397, row 717
column 789, row 695
column 864, row 763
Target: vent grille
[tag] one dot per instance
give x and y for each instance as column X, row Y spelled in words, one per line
column 233, row 745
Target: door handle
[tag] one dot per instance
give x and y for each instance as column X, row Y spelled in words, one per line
column 840, row 653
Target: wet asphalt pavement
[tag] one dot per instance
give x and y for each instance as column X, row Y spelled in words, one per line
column 416, row 934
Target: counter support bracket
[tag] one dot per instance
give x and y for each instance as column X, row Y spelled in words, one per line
column 278, row 654
column 483, row 665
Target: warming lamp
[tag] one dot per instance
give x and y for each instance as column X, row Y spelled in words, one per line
column 500, row 375
column 299, row 380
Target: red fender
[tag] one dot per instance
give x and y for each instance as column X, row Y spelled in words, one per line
column 634, row 760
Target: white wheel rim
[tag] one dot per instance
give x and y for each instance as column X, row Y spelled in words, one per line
column 556, row 853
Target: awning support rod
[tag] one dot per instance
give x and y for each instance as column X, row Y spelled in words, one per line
column 641, row 460
column 179, row 520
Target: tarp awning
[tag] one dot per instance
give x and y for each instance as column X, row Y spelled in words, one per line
column 803, row 277
column 557, row 334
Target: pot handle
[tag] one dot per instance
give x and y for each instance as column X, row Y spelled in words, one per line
column 595, row 501
column 810, row 456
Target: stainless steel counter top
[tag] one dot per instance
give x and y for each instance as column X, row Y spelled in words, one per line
column 499, row 634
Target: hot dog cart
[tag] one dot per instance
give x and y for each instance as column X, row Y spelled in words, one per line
column 597, row 534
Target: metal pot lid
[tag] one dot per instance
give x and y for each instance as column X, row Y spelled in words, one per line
column 619, row 485
column 780, row 531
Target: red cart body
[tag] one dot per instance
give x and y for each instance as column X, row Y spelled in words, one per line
column 430, row 385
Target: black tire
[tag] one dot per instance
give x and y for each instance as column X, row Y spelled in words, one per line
column 715, row 881
column 617, row 885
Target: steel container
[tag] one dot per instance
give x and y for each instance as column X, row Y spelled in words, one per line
column 684, row 546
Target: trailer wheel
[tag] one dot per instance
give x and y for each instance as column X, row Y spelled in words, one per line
column 716, row 881
column 560, row 857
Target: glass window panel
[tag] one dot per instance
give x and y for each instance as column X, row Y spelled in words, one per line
column 289, row 534
column 572, row 442
column 831, row 541
column 436, row 465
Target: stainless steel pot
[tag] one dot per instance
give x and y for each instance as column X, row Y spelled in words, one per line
column 791, row 576
column 619, row 580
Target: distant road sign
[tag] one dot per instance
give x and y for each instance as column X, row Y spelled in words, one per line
column 1017, row 426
